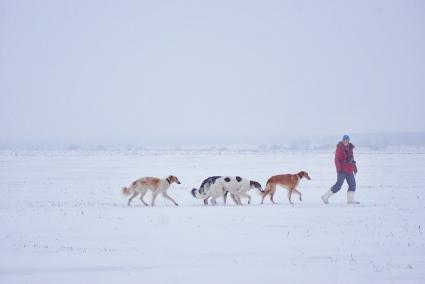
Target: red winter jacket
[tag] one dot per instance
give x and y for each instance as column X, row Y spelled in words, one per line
column 344, row 158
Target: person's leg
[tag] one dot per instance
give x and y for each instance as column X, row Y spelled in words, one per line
column 335, row 188
column 340, row 180
column 351, row 180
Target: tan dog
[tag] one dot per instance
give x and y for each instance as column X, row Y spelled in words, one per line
column 156, row 185
column 289, row 181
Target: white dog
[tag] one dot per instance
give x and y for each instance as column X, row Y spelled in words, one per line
column 156, row 185
column 216, row 186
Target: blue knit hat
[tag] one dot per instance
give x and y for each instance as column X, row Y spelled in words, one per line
column 346, row 137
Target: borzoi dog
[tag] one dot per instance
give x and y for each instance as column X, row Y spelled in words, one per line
column 289, row 181
column 156, row 185
column 216, row 186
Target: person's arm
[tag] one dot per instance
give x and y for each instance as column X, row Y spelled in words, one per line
column 355, row 165
column 338, row 160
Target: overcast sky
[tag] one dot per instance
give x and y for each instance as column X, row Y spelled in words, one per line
column 181, row 72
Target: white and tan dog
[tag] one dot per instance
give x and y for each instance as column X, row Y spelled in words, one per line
column 156, row 185
column 216, row 186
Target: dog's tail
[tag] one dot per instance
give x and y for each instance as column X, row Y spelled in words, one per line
column 126, row 191
column 194, row 192
column 257, row 185
column 260, row 191
column 267, row 189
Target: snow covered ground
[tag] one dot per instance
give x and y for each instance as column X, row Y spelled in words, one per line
column 63, row 218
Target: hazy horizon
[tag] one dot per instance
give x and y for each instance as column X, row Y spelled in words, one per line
column 362, row 140
column 209, row 72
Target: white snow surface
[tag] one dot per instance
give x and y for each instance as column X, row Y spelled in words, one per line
column 63, row 219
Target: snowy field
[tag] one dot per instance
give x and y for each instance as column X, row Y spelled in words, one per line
column 63, row 219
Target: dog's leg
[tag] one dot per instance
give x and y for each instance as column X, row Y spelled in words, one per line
column 244, row 194
column 142, row 195
column 271, row 197
column 265, row 192
column 132, row 197
column 239, row 199
column 215, row 195
column 299, row 193
column 235, row 199
column 213, row 202
column 225, row 197
column 154, row 195
column 165, row 194
column 206, row 201
column 289, row 196
column 273, row 190
column 263, row 195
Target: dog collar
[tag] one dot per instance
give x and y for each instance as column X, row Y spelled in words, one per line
column 168, row 180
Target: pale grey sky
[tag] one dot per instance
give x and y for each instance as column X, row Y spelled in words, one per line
column 176, row 72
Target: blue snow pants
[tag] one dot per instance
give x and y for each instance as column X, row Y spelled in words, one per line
column 340, row 180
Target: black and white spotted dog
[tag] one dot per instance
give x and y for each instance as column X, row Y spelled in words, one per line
column 216, row 186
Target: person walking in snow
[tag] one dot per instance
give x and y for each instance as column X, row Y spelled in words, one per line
column 346, row 169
